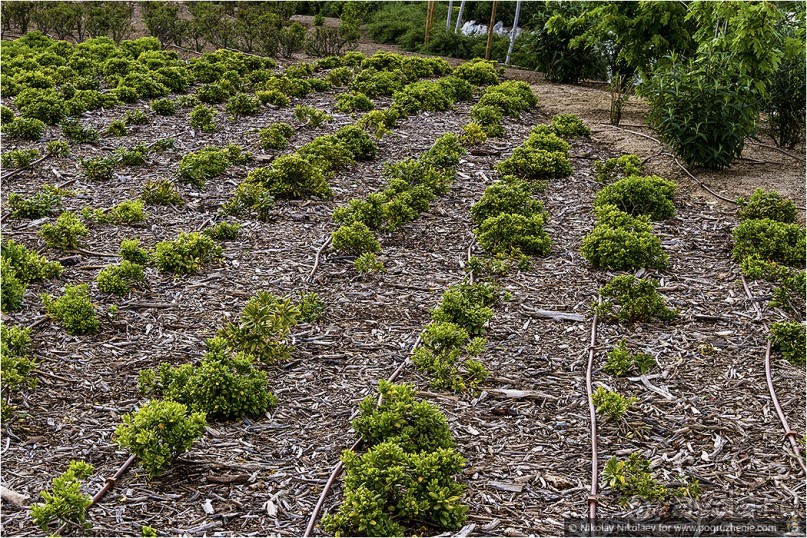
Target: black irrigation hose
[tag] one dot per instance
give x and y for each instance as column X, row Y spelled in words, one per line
column 790, row 434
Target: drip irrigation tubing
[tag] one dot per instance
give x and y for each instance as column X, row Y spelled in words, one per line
column 337, row 469
column 789, row 433
column 592, row 496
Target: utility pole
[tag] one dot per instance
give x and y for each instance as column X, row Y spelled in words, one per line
column 459, row 16
column 490, row 29
column 513, row 33
column 448, row 17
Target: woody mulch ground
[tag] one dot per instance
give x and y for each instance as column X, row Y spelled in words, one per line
column 704, row 413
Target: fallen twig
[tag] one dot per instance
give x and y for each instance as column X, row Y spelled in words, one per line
column 790, row 434
column 317, row 258
column 592, row 496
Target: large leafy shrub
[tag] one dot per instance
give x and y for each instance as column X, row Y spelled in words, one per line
column 770, row 240
column 704, row 107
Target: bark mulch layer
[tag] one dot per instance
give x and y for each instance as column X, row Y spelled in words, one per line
column 704, row 412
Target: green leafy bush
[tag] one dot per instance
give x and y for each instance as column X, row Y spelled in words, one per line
column 17, row 364
column 788, row 338
column 767, row 205
column 272, row 97
column 263, row 327
column 640, row 195
column 328, row 153
column 547, row 141
column 514, row 233
column 367, row 263
column 379, row 122
column 223, row 231
column 467, row 305
column 633, row 478
column 509, row 195
column 276, row 136
column 130, row 251
column 478, row 72
column 6, row 114
column 311, row 307
column 42, row 204
column 164, row 107
column 511, row 97
column 311, row 116
column 120, row 279
column 388, row 491
column 442, row 345
column 355, row 238
column 770, row 240
column 158, row 432
column 64, row 502
column 703, row 108
column 224, row 386
column 24, row 128
column 535, row 164
column 65, row 233
column 618, row 168
column 291, row 176
column 242, row 104
column 41, row 104
column 187, row 101
column 611, row 403
column 622, row 242
column 116, row 128
column 57, row 148
column 621, row 362
column 98, row 168
column 415, row 426
column 569, row 126
column 127, row 212
column 424, row 95
column 76, row 133
column 135, row 117
column 28, row 265
column 357, row 141
column 250, row 197
column 374, row 83
column 444, row 153
column 352, row 102
column 73, row 309
column 12, row 290
column 161, row 192
column 19, row 158
column 473, row 134
column 203, row 118
column 209, row 162
column 186, row 253
column 627, row 298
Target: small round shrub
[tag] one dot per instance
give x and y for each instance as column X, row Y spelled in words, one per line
column 73, row 309
column 352, row 102
column 569, row 126
column 510, row 195
column 508, row 233
column 357, row 141
column 242, row 104
column 530, row 163
column 478, row 72
column 489, row 118
column 770, row 240
column 473, row 134
column 276, row 136
column 120, row 279
column 355, row 239
column 65, row 233
column 272, row 97
column 186, row 253
column 164, row 107
column 619, row 167
column 640, row 195
column 291, row 176
column 627, row 298
column 158, row 432
column 24, row 128
column 620, row 241
column 767, row 205
column 788, row 338
column 203, row 118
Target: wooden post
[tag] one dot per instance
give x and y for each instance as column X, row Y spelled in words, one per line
column 490, row 29
column 459, row 16
column 429, row 20
column 448, row 16
column 513, row 33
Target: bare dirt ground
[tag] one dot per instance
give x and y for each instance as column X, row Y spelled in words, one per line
column 707, row 414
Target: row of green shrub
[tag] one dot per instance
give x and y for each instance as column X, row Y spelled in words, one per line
column 17, row 364
column 769, row 244
column 411, row 186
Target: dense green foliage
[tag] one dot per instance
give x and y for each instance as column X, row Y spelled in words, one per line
column 789, row 339
column 640, row 195
column 621, row 362
column 158, row 432
column 767, row 205
column 620, row 241
column 627, row 298
column 73, row 309
column 263, row 327
column 64, row 502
